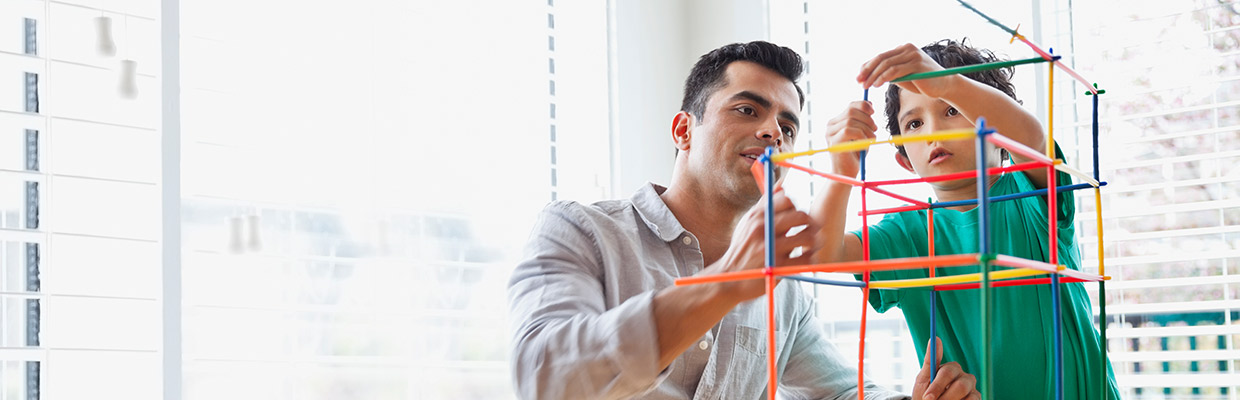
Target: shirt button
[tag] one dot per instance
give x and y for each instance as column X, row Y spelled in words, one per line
column 686, row 240
column 703, row 345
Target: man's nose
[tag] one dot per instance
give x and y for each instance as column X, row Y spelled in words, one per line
column 771, row 135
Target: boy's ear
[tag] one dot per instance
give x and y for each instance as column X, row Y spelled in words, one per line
column 682, row 130
column 904, row 162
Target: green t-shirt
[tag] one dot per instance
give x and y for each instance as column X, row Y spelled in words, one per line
column 1022, row 338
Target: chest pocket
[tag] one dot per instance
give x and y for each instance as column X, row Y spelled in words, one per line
column 749, row 363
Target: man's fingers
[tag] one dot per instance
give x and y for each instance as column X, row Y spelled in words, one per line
column 785, row 221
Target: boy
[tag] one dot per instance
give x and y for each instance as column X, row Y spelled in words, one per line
column 1022, row 331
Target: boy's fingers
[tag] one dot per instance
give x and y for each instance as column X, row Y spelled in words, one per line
column 909, row 86
column 862, row 117
column 897, row 57
column 927, row 371
column 948, row 375
column 867, row 69
column 863, row 105
column 961, row 388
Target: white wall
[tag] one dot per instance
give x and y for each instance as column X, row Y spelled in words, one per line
column 656, row 43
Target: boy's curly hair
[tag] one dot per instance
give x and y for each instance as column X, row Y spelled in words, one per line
column 950, row 54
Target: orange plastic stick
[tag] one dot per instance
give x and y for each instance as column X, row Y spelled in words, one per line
column 770, row 337
column 758, row 170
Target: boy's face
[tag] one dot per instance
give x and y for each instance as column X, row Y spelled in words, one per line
column 920, row 114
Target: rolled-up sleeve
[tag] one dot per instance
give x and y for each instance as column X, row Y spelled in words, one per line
column 566, row 344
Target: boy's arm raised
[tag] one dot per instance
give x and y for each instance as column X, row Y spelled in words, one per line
column 972, row 98
column 830, row 208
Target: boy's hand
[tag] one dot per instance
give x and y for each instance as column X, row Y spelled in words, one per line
column 854, row 123
column 748, row 247
column 903, row 60
column 951, row 382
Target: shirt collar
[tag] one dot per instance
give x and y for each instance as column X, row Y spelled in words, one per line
column 655, row 214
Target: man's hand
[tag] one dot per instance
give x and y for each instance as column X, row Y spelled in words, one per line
column 903, row 60
column 748, row 247
column 854, row 123
column 951, row 382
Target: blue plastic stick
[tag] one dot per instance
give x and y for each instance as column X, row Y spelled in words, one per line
column 861, row 155
column 934, row 333
column 866, row 95
column 824, row 281
column 934, row 305
column 770, row 206
column 983, row 224
column 1013, row 196
column 1096, row 131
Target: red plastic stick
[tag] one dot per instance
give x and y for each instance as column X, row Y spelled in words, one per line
column 834, row 177
column 959, row 175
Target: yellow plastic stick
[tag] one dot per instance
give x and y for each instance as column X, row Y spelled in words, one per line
column 945, row 280
column 1102, row 266
column 1050, row 112
column 856, row 145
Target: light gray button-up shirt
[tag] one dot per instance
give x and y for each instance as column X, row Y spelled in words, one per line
column 583, row 326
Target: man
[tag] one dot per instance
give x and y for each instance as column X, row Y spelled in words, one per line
column 596, row 314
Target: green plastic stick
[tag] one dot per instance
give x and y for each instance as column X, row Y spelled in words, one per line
column 969, row 68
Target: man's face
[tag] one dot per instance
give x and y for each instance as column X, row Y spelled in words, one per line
column 757, row 108
column 920, row 114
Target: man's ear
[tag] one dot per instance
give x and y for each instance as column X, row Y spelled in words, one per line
column 904, row 162
column 682, row 130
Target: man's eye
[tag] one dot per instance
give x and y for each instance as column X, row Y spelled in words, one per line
column 952, row 111
column 788, row 131
column 746, row 110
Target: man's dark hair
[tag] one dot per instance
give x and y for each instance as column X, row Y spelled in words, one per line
column 708, row 76
column 950, row 54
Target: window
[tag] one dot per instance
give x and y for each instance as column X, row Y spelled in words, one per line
column 79, row 228
column 1170, row 131
column 351, row 177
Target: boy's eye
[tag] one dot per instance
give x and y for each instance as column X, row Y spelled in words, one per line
column 951, row 111
column 911, row 125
